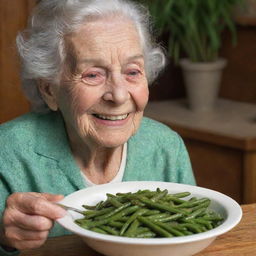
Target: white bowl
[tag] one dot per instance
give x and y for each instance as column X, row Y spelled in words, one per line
column 124, row 246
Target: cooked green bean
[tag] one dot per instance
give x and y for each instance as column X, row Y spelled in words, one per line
column 155, row 228
column 131, row 219
column 194, row 214
column 94, row 213
column 151, row 212
column 192, row 227
column 171, row 217
column 206, row 223
column 132, row 230
column 182, row 194
column 148, row 234
column 172, row 230
column 116, row 224
column 99, row 230
column 158, row 216
column 114, row 202
column 148, row 214
column 109, row 230
column 109, row 214
column 159, row 195
column 140, row 230
column 158, row 206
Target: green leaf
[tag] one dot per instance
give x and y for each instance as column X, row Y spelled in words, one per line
column 195, row 26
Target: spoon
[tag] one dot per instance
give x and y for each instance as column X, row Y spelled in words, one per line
column 70, row 208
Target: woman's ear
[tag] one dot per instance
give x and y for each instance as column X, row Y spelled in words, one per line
column 48, row 94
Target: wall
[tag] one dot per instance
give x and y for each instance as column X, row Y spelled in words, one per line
column 239, row 78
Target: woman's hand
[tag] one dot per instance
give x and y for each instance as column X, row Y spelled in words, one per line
column 28, row 218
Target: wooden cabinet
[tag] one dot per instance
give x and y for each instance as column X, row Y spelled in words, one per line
column 13, row 18
column 221, row 143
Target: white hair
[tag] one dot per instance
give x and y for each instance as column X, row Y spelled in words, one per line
column 41, row 45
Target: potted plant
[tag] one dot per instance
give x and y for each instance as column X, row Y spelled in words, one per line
column 195, row 30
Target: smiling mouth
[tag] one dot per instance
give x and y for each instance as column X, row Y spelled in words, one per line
column 110, row 117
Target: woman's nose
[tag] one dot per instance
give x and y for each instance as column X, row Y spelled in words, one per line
column 117, row 91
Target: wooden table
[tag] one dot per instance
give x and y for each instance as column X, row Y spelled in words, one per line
column 221, row 143
column 241, row 241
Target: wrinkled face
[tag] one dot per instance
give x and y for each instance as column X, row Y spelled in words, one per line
column 103, row 90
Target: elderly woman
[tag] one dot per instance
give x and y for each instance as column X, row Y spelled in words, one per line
column 86, row 69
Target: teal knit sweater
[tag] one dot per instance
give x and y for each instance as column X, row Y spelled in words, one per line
column 35, row 156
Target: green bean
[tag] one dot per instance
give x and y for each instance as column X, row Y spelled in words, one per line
column 114, row 202
column 155, row 228
column 196, row 213
column 202, row 205
column 124, row 212
column 109, row 230
column 147, row 213
column 89, row 207
column 188, row 204
column 100, row 205
column 94, row 213
column 131, row 219
column 171, row 217
column 161, row 206
column 176, row 226
column 146, row 193
column 104, row 221
column 170, row 229
column 175, row 199
column 109, row 214
column 99, row 230
column 213, row 218
column 123, row 219
column 187, row 233
column 92, row 224
column 158, row 216
column 123, row 194
column 132, row 229
column 206, row 223
column 137, row 202
column 141, row 229
column 159, row 195
column 82, row 222
column 147, row 234
column 151, row 212
column 93, row 207
column 192, row 227
column 116, row 224
column 182, row 194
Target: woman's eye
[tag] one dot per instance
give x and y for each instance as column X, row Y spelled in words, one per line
column 91, row 75
column 134, row 72
column 94, row 77
column 133, row 75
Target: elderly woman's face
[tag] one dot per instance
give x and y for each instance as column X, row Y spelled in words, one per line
column 104, row 89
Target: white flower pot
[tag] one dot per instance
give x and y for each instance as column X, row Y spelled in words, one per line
column 202, row 82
